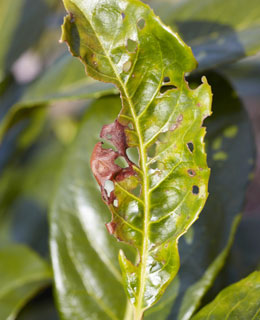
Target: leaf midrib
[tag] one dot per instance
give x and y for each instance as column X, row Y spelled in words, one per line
column 143, row 158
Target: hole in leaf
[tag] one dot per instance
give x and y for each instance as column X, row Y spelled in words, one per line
column 108, row 145
column 190, row 146
column 131, row 45
column 130, row 126
column 109, row 187
column 195, row 190
column 154, row 165
column 115, row 203
column 141, row 24
column 151, row 150
column 191, row 172
column 137, row 191
column 133, row 155
column 166, row 79
column 121, row 162
column 127, row 66
column 167, row 88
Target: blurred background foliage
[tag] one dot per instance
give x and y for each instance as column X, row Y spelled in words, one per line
column 44, row 95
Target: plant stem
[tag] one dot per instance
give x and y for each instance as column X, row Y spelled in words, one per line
column 138, row 314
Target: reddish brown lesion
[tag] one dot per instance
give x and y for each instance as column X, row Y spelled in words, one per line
column 103, row 160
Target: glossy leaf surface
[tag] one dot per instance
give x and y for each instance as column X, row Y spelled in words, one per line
column 22, row 275
column 125, row 44
column 238, row 301
column 84, row 255
column 196, row 292
column 196, row 256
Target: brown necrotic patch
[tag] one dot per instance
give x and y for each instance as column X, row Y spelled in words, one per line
column 103, row 161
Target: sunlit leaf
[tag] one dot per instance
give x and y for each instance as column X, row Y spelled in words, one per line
column 124, row 43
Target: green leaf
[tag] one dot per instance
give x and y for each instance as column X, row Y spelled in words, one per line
column 22, row 275
column 218, row 31
column 196, row 292
column 238, row 301
column 78, row 200
column 81, row 248
column 124, row 43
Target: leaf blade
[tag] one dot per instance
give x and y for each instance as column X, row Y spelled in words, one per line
column 124, row 58
column 22, row 275
column 233, row 301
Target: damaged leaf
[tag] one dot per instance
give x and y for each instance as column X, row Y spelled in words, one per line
column 154, row 200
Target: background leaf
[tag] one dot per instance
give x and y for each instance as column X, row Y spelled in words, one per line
column 22, row 275
column 84, row 255
column 230, row 146
column 196, row 292
column 217, row 31
column 197, row 253
column 238, row 301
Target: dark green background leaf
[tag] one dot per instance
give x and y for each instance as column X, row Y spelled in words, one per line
column 239, row 301
column 22, row 275
column 218, row 31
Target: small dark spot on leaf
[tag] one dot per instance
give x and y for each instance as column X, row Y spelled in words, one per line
column 180, row 118
column 167, row 88
column 195, row 190
column 166, row 79
column 190, row 146
column 174, row 127
column 131, row 45
column 191, row 172
column 141, row 23
column 123, row 15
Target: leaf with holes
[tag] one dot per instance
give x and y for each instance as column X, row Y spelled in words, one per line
column 155, row 198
